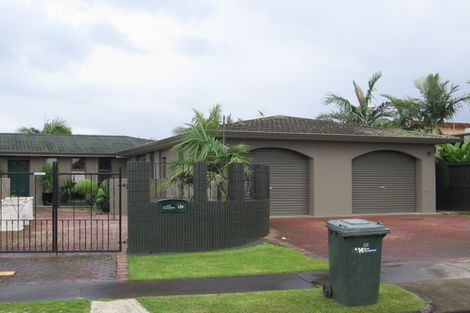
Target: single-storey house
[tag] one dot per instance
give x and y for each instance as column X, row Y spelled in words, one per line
column 454, row 128
column 324, row 168
column 78, row 155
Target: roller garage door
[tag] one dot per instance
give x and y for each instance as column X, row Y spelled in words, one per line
column 288, row 180
column 384, row 182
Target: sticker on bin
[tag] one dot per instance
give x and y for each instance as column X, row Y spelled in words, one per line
column 364, row 249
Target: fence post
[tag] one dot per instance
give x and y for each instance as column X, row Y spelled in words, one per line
column 55, row 197
column 200, row 181
column 236, row 182
column 120, row 209
column 263, row 181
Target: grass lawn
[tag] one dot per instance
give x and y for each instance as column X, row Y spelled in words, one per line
column 391, row 299
column 70, row 306
column 261, row 259
column 464, row 213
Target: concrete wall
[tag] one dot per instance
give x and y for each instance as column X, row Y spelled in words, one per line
column 114, row 196
column 4, row 187
column 119, row 163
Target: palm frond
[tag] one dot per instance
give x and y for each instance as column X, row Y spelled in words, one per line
column 339, row 101
column 371, row 87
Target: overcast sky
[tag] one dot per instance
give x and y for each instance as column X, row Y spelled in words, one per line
column 138, row 67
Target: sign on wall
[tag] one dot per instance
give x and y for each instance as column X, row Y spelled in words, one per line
column 173, row 205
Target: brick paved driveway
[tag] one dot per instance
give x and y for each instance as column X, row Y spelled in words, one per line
column 37, row 269
column 414, row 237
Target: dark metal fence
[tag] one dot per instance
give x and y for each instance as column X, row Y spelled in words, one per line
column 453, row 186
column 176, row 181
column 60, row 212
column 219, row 209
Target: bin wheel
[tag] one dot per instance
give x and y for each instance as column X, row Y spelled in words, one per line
column 327, row 290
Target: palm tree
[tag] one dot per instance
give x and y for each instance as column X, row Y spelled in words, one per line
column 56, row 126
column 213, row 122
column 365, row 113
column 438, row 102
column 200, row 141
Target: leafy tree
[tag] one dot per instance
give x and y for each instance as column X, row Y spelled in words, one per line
column 200, row 141
column 365, row 113
column 453, row 153
column 56, row 126
column 438, row 102
column 29, row 130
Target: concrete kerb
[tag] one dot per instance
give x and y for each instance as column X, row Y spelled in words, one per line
column 429, row 308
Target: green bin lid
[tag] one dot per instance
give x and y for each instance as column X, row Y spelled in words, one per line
column 355, row 227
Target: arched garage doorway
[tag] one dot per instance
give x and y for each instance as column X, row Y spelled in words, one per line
column 288, row 180
column 384, row 182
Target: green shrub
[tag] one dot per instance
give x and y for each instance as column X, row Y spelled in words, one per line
column 454, row 153
column 87, row 189
column 46, row 180
column 66, row 190
column 94, row 194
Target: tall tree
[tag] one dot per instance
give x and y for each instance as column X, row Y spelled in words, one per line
column 437, row 103
column 201, row 141
column 365, row 113
column 56, row 126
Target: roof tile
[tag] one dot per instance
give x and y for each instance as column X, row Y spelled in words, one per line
column 11, row 143
column 299, row 125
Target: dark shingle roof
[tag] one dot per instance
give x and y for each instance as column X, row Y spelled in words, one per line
column 298, row 125
column 297, row 128
column 66, row 144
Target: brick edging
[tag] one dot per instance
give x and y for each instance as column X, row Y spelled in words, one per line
column 122, row 266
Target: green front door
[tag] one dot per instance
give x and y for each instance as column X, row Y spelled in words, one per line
column 19, row 183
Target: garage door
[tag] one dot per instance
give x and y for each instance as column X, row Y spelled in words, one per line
column 384, row 182
column 288, row 180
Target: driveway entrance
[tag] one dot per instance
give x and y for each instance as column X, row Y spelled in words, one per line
column 414, row 238
column 428, row 254
column 61, row 212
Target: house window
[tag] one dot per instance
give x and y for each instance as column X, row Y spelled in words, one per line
column 104, row 169
column 78, row 164
column 104, row 165
column 78, row 169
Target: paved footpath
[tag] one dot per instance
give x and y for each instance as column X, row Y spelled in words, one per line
column 117, row 306
column 144, row 288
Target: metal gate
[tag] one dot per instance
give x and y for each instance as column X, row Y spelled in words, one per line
column 64, row 212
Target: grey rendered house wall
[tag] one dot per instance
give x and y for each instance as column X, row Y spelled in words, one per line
column 330, row 171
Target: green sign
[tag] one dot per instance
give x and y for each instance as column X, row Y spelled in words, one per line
column 173, row 205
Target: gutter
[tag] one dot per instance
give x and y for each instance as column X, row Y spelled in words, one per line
column 171, row 141
column 68, row 155
column 340, row 137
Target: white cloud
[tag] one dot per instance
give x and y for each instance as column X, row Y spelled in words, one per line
column 138, row 67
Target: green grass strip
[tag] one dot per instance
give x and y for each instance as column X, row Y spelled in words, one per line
column 65, row 306
column 261, row 259
column 391, row 299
